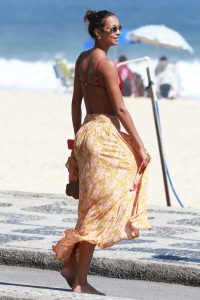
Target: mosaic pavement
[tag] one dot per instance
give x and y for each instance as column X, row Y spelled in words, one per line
column 36, row 221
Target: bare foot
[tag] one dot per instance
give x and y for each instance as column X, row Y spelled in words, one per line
column 69, row 272
column 86, row 288
column 69, row 277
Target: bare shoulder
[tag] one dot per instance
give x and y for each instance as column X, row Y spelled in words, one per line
column 108, row 67
column 82, row 55
column 108, row 63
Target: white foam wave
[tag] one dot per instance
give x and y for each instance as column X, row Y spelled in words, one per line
column 20, row 75
column 40, row 76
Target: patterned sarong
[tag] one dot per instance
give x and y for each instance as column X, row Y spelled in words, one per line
column 112, row 205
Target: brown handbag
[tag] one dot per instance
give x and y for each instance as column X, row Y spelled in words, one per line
column 72, row 189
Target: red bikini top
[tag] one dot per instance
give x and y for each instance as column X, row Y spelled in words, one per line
column 98, row 84
column 121, row 83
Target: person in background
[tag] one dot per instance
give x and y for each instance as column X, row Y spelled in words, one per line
column 127, row 77
column 132, row 81
column 162, row 63
column 167, row 79
column 111, row 164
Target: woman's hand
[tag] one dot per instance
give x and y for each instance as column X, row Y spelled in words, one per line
column 142, row 159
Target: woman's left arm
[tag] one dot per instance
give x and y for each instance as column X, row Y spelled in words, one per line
column 76, row 101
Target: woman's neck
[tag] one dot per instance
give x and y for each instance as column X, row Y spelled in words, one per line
column 104, row 49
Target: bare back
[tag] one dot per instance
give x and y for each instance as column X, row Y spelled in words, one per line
column 95, row 94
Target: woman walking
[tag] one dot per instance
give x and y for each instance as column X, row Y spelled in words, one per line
column 111, row 164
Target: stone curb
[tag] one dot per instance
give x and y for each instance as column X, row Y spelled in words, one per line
column 117, row 268
column 18, row 292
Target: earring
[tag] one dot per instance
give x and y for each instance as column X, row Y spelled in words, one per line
column 99, row 37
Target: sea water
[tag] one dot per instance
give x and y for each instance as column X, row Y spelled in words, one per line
column 35, row 32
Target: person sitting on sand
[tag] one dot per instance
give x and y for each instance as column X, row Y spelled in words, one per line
column 132, row 81
column 167, row 79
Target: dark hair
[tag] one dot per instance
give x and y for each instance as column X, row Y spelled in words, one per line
column 163, row 58
column 122, row 58
column 96, row 19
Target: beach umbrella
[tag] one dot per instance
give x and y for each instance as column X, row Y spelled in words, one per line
column 159, row 35
column 123, row 39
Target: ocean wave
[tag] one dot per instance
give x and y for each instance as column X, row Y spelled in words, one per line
column 23, row 75
column 40, row 76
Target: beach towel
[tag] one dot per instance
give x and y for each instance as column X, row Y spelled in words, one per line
column 112, row 195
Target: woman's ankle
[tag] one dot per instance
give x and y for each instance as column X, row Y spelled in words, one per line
column 80, row 280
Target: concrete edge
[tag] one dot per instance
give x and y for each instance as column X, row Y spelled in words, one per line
column 21, row 292
column 116, row 268
column 28, row 293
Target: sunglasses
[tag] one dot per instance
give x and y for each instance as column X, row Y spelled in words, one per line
column 114, row 28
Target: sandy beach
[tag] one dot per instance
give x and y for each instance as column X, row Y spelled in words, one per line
column 34, row 128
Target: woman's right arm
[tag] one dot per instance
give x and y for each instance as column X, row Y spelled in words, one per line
column 109, row 74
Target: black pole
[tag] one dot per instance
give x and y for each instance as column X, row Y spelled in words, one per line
column 153, row 97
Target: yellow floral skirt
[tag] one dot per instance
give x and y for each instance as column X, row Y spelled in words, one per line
column 112, row 196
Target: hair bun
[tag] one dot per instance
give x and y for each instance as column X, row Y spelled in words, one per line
column 90, row 15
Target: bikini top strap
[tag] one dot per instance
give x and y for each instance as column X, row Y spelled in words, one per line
column 98, row 63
